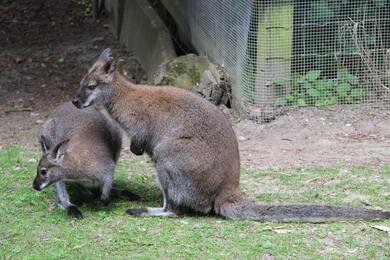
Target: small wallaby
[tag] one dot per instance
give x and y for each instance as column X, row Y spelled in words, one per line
column 79, row 146
column 194, row 149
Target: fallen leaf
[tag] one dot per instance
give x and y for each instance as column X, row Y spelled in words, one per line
column 268, row 256
column 242, row 138
column 32, row 114
column 382, row 228
column 283, row 231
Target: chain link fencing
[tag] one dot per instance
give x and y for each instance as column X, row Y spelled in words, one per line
column 284, row 54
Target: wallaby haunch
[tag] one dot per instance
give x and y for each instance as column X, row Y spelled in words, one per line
column 79, row 146
column 194, row 149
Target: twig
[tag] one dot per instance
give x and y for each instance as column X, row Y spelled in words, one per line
column 138, row 243
column 365, row 55
column 18, row 110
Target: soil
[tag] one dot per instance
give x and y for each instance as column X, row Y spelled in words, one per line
column 338, row 135
column 47, row 47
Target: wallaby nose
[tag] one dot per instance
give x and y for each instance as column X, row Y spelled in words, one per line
column 36, row 186
column 76, row 102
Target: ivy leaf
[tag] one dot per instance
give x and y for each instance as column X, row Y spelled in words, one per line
column 322, row 85
column 353, row 79
column 342, row 89
column 301, row 102
column 343, row 74
column 380, row 3
column 290, row 98
column 357, row 93
column 320, row 102
column 313, row 75
column 280, row 101
column 279, row 82
column 313, row 92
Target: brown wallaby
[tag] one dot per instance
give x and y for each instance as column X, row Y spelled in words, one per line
column 194, row 149
column 79, row 146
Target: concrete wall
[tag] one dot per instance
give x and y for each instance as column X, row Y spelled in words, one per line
column 140, row 29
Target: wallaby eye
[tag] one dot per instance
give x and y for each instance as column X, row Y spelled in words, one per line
column 91, row 87
column 43, row 172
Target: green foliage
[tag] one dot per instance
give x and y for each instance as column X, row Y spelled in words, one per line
column 86, row 5
column 311, row 90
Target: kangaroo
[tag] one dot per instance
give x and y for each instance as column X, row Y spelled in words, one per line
column 79, row 146
column 194, row 149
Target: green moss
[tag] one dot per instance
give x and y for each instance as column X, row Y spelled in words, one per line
column 185, row 71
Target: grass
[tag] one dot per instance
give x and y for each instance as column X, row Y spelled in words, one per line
column 32, row 226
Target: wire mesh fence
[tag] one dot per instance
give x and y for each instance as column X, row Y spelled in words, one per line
column 285, row 53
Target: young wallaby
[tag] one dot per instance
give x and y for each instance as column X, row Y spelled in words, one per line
column 194, row 149
column 79, row 146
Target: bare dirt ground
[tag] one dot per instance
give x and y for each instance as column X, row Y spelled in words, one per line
column 47, row 46
column 339, row 135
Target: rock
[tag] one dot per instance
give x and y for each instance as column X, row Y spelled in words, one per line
column 97, row 40
column 194, row 73
column 33, row 114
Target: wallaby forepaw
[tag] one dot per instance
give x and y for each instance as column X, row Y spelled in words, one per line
column 74, row 212
column 137, row 212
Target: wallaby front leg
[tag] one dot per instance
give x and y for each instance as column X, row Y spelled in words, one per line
column 105, row 191
column 64, row 202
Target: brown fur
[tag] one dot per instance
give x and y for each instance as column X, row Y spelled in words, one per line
column 194, row 149
column 79, row 146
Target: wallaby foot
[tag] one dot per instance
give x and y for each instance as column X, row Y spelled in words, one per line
column 124, row 194
column 106, row 201
column 73, row 212
column 151, row 212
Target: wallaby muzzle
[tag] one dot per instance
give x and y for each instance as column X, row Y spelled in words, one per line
column 76, row 102
column 37, row 185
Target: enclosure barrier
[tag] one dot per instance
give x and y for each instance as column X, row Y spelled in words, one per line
column 283, row 54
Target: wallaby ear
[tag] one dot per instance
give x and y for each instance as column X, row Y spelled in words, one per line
column 105, row 55
column 45, row 143
column 58, row 152
column 112, row 68
column 106, row 60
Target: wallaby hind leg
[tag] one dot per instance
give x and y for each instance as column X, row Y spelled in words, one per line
column 85, row 192
column 165, row 211
column 64, row 202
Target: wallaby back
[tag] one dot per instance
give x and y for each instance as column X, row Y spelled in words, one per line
column 81, row 146
column 93, row 137
column 67, row 122
column 194, row 148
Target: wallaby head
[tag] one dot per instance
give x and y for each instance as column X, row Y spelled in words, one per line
column 96, row 86
column 49, row 168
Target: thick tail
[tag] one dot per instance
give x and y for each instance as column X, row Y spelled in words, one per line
column 240, row 208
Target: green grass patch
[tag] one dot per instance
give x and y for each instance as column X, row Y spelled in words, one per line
column 32, row 225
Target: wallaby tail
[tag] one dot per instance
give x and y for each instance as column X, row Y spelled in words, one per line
column 240, row 208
